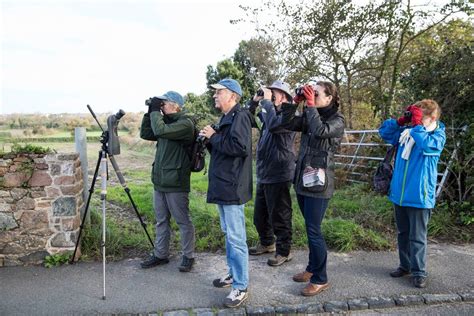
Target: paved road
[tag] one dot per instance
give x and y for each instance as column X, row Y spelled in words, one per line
column 78, row 288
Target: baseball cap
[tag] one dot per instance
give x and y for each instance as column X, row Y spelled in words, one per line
column 281, row 85
column 228, row 83
column 173, row 97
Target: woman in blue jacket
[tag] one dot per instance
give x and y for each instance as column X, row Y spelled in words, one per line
column 420, row 138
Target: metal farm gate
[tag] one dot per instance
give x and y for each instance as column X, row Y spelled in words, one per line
column 361, row 152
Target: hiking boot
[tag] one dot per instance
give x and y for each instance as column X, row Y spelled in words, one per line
column 223, row 282
column 419, row 281
column 235, row 298
column 304, row 276
column 186, row 264
column 278, row 260
column 399, row 273
column 313, row 289
column 153, row 261
column 261, row 249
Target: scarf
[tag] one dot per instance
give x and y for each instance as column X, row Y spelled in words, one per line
column 327, row 111
column 408, row 141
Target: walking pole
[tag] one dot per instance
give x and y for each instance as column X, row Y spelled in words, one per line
column 103, row 195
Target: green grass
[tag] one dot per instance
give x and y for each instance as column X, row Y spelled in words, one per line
column 119, row 237
column 356, row 217
column 340, row 228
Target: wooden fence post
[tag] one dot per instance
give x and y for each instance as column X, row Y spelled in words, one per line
column 80, row 139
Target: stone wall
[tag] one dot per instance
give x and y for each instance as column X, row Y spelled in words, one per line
column 40, row 203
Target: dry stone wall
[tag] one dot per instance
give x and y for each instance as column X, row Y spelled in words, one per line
column 40, row 206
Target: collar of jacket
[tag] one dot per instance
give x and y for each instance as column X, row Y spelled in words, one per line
column 229, row 117
column 173, row 117
column 327, row 112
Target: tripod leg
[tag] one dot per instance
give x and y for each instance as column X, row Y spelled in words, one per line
column 91, row 190
column 127, row 190
column 103, row 195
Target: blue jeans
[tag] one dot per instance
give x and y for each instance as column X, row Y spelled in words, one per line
column 233, row 225
column 313, row 210
column 412, row 224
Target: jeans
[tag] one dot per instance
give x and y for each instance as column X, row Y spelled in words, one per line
column 412, row 226
column 233, row 225
column 313, row 210
column 272, row 215
column 176, row 204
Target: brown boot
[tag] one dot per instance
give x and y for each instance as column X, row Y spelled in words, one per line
column 313, row 289
column 261, row 249
column 302, row 276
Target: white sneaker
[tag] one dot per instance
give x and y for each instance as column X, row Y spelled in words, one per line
column 235, row 298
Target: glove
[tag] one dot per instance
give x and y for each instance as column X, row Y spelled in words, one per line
column 297, row 99
column 416, row 115
column 403, row 120
column 153, row 108
column 155, row 105
column 309, row 95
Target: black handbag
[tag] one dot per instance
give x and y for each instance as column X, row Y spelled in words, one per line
column 383, row 174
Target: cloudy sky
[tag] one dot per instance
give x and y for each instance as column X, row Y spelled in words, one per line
column 59, row 55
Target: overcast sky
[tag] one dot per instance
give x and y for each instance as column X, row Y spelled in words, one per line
column 57, row 56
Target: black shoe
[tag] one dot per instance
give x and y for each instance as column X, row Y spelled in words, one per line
column 419, row 281
column 186, row 264
column 399, row 273
column 153, row 261
column 223, row 282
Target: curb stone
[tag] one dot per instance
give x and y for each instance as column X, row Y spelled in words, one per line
column 380, row 302
column 467, row 296
column 180, row 312
column 260, row 310
column 441, row 298
column 233, row 312
column 202, row 312
column 374, row 302
column 286, row 310
column 358, row 304
column 336, row 306
column 315, row 308
column 409, row 300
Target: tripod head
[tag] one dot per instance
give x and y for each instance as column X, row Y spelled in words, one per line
column 109, row 138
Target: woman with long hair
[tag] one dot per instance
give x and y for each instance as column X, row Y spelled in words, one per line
column 322, row 127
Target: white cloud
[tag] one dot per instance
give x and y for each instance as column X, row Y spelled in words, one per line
column 59, row 56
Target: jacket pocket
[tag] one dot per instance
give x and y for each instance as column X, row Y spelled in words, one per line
column 169, row 177
column 314, row 177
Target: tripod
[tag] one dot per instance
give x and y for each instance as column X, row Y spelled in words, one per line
column 102, row 163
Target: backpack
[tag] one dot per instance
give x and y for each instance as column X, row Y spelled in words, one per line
column 384, row 172
column 196, row 150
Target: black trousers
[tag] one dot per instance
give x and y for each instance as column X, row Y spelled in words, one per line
column 272, row 215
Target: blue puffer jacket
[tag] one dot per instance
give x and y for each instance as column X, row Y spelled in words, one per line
column 414, row 180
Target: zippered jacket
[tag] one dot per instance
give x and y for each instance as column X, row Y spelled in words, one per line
column 322, row 135
column 171, row 170
column 414, row 180
column 276, row 159
column 230, row 167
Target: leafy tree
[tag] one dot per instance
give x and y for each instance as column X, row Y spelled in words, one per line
column 199, row 107
column 358, row 47
column 254, row 62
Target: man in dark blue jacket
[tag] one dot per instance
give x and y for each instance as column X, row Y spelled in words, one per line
column 275, row 171
column 230, row 183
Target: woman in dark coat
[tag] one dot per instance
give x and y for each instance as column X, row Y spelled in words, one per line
column 322, row 128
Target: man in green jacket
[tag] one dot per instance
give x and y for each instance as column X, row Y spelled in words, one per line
column 167, row 124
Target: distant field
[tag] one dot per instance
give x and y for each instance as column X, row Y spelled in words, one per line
column 20, row 133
